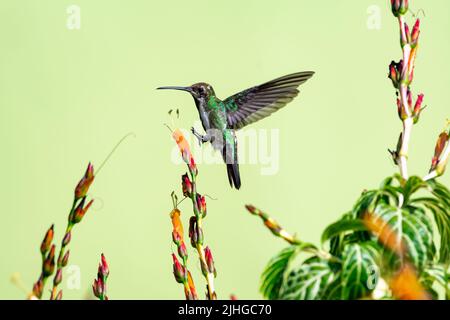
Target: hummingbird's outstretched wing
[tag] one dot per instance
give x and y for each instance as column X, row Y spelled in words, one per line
column 261, row 101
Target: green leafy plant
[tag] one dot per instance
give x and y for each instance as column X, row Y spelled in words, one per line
column 386, row 246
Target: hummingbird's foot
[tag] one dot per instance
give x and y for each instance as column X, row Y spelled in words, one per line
column 201, row 138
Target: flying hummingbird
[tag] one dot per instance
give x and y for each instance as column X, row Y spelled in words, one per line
column 221, row 118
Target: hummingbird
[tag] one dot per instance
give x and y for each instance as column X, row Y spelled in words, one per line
column 222, row 118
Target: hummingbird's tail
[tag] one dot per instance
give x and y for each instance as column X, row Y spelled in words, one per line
column 233, row 175
column 230, row 156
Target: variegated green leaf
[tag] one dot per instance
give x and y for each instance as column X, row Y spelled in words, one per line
column 413, row 228
column 360, row 270
column 440, row 207
column 342, row 226
column 437, row 274
column 442, row 219
column 309, row 281
column 274, row 273
column 411, row 186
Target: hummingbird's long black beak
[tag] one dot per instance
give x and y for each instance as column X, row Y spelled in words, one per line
column 188, row 89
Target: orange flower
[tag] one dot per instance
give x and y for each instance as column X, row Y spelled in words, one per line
column 185, row 150
column 176, row 223
column 191, row 285
column 85, row 182
column 45, row 246
column 80, row 211
column 385, row 234
column 440, row 146
column 406, row 286
column 183, row 145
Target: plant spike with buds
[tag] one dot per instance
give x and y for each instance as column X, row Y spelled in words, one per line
column 401, row 75
column 272, row 225
column 189, row 188
column 46, row 243
column 48, row 264
column 99, row 285
column 76, row 214
column 180, row 270
column 280, row 232
column 83, row 186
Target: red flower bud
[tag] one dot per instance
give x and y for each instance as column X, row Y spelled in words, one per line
column 178, row 270
column 98, row 288
column 46, row 243
column 195, row 233
column 85, row 182
column 399, row 7
column 408, row 34
column 409, row 97
column 99, row 285
column 395, row 73
column 440, row 146
column 193, row 166
column 182, row 251
column 418, row 108
column 49, row 263
column 67, row 238
column 104, row 266
column 210, row 261
column 63, row 259
column 38, row 288
column 419, row 102
column 80, row 211
column 58, row 277
column 187, row 185
column 415, row 32
column 201, row 204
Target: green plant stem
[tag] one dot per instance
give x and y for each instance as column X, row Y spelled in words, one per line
column 62, row 251
column 280, row 232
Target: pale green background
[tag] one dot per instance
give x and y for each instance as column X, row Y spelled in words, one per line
column 67, row 97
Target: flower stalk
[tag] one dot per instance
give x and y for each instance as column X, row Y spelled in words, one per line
column 402, row 74
column 189, row 187
column 48, row 263
column 180, row 270
column 76, row 214
column 99, row 285
column 280, row 232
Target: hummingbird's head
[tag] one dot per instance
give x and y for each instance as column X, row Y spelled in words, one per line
column 200, row 91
